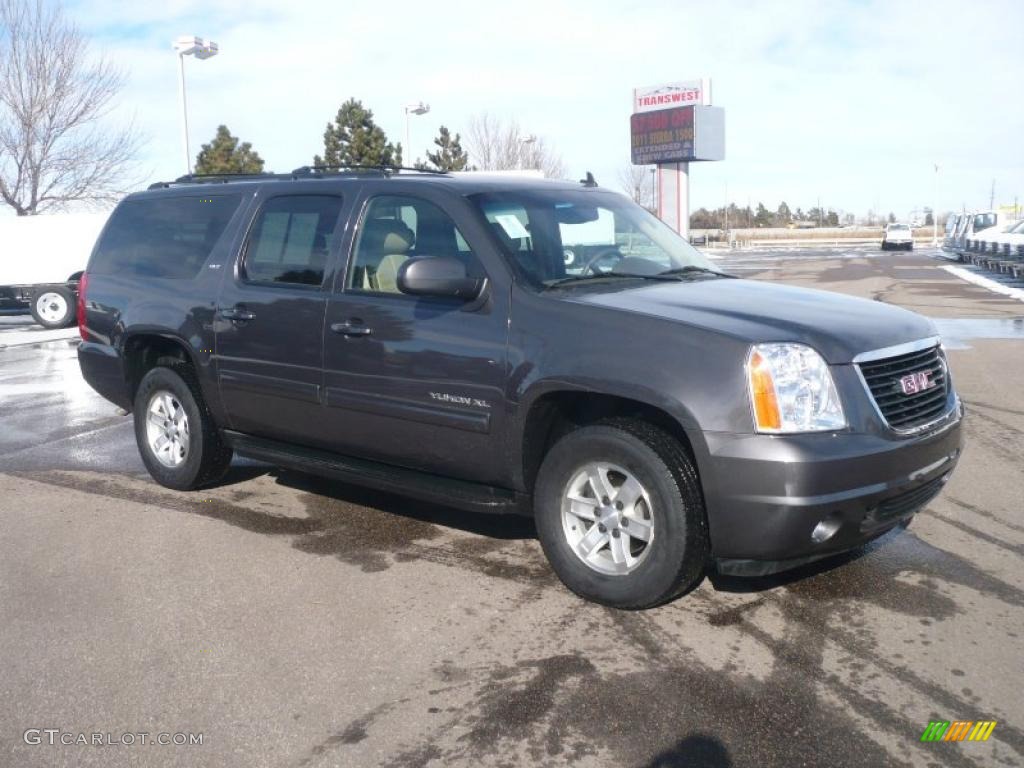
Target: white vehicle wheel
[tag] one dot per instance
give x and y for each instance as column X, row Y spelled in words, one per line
column 53, row 307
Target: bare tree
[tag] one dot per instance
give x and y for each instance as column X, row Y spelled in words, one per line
column 54, row 148
column 637, row 182
column 498, row 145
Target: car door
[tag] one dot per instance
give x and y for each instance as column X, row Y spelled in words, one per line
column 417, row 381
column 270, row 316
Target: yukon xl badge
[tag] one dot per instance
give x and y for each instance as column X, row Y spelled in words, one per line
column 916, row 382
column 444, row 397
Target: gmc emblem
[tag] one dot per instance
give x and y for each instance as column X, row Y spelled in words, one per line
column 916, row 382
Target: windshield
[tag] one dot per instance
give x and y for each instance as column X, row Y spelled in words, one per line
column 565, row 236
column 895, row 227
column 984, row 221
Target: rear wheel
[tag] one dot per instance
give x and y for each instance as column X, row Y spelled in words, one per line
column 53, row 307
column 620, row 514
column 177, row 438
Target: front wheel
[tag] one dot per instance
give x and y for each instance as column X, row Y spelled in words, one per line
column 620, row 515
column 177, row 437
column 53, row 307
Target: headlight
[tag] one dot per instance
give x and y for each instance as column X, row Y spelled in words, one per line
column 791, row 390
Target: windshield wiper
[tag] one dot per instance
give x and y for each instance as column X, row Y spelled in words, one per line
column 693, row 268
column 581, row 278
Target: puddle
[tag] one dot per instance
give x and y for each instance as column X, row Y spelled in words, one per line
column 956, row 332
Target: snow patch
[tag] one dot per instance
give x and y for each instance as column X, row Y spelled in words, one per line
column 986, row 282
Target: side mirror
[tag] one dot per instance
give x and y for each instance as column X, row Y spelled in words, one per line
column 438, row 276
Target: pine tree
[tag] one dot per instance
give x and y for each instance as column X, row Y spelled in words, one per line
column 355, row 139
column 450, row 156
column 225, row 155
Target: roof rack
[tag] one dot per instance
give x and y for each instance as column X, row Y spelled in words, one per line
column 217, row 178
column 308, row 171
column 385, row 170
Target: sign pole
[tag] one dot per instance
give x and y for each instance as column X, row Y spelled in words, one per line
column 674, row 196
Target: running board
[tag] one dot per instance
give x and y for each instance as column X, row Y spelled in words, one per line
column 462, row 494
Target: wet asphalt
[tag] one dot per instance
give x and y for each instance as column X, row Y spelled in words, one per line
column 299, row 622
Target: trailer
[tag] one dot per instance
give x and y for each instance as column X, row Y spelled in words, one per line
column 42, row 259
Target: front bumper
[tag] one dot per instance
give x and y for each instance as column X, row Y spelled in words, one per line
column 766, row 495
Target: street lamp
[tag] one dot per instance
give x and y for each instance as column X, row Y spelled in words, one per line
column 201, row 49
column 417, row 108
column 529, row 138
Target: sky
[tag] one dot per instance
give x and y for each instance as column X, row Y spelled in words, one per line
column 853, row 103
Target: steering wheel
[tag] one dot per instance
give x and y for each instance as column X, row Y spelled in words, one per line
column 590, row 266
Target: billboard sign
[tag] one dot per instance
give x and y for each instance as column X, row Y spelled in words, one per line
column 684, row 93
column 678, row 135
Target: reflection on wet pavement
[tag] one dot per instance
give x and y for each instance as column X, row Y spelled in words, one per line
column 957, row 332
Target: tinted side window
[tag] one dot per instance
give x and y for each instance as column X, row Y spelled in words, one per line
column 395, row 229
column 168, row 237
column 289, row 239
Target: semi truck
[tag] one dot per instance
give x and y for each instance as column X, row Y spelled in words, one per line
column 42, row 259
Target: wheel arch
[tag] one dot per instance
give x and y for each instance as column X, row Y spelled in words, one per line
column 144, row 350
column 556, row 411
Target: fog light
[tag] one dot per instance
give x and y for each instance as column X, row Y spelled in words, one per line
column 826, row 529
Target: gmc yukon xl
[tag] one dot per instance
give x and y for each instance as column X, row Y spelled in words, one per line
column 515, row 345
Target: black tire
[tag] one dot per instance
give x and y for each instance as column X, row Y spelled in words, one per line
column 43, row 297
column 207, row 458
column 679, row 549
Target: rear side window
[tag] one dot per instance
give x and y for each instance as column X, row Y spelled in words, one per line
column 289, row 239
column 169, row 237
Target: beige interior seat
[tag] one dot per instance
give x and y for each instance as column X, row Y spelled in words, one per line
column 384, row 248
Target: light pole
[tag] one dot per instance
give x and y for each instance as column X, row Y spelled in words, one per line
column 190, row 46
column 935, row 208
column 654, row 190
column 529, row 138
column 418, row 108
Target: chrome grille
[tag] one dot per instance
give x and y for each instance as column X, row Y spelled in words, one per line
column 902, row 411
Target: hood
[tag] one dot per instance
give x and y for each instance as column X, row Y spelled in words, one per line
column 839, row 327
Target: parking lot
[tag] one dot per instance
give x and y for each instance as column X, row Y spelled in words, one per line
column 294, row 621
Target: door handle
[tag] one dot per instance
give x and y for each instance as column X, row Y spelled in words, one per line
column 236, row 314
column 350, row 328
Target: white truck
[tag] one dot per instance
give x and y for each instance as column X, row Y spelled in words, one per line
column 41, row 261
column 988, row 222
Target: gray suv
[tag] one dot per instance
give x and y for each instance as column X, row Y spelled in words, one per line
column 515, row 345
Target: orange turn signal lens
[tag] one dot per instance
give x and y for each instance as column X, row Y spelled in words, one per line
column 762, row 393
